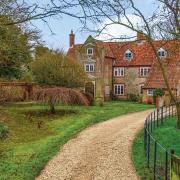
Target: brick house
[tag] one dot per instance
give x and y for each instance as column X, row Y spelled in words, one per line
column 118, row 68
column 155, row 80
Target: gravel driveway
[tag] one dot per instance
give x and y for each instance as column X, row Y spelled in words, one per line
column 100, row 152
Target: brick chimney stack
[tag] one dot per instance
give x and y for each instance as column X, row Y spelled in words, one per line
column 71, row 39
column 140, row 36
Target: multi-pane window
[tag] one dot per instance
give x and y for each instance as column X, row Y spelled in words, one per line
column 128, row 55
column 119, row 71
column 162, row 53
column 150, row 92
column 119, row 89
column 89, row 51
column 89, row 67
column 144, row 71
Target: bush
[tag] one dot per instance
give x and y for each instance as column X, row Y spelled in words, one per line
column 4, row 131
column 101, row 103
column 156, row 93
column 11, row 94
column 133, row 97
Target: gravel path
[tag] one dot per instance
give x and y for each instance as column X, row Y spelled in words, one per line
column 100, row 152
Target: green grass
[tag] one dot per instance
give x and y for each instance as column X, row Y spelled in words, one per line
column 167, row 135
column 24, row 154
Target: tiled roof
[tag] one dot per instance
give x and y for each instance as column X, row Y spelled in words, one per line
column 142, row 52
column 155, row 79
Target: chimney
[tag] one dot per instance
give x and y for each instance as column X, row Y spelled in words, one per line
column 71, row 39
column 140, row 36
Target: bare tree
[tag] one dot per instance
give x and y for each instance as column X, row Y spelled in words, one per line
column 163, row 23
column 22, row 11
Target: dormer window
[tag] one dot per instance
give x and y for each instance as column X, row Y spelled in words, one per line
column 128, row 55
column 162, row 53
column 89, row 51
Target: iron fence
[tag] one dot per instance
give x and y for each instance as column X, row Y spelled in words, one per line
column 160, row 161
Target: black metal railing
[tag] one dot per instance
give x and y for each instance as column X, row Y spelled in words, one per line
column 159, row 159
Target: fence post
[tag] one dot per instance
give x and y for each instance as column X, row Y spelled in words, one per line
column 154, row 120
column 155, row 157
column 148, row 149
column 162, row 115
column 166, row 165
column 157, row 117
column 171, row 163
column 145, row 134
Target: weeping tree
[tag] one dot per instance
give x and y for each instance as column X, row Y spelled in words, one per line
column 60, row 95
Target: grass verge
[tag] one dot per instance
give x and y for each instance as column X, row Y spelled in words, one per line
column 167, row 135
column 28, row 148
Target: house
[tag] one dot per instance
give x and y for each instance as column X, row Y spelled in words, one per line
column 155, row 80
column 119, row 68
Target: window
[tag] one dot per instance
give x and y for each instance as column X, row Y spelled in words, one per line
column 144, row 71
column 150, row 92
column 128, row 55
column 118, row 71
column 89, row 67
column 162, row 53
column 89, row 51
column 141, row 88
column 119, row 89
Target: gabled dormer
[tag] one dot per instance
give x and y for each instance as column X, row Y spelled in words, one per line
column 162, row 53
column 128, row 55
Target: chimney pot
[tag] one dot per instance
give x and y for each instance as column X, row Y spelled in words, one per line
column 71, row 39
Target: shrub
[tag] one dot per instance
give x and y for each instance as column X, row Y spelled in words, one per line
column 55, row 69
column 4, row 131
column 11, row 94
column 156, row 93
column 133, row 97
column 101, row 103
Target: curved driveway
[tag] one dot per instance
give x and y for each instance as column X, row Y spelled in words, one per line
column 100, row 152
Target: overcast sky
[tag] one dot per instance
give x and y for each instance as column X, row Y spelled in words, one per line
column 57, row 36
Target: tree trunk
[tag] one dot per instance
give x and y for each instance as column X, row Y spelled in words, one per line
column 52, row 109
column 178, row 115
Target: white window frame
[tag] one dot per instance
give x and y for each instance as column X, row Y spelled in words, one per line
column 150, row 92
column 119, row 71
column 160, row 51
column 90, row 67
column 87, row 52
column 119, row 89
column 144, row 71
column 128, row 52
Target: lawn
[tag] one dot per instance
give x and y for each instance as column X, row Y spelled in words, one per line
column 167, row 135
column 27, row 149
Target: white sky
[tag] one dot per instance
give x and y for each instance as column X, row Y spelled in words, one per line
column 62, row 27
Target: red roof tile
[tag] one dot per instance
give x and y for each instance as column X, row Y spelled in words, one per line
column 156, row 80
column 143, row 54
